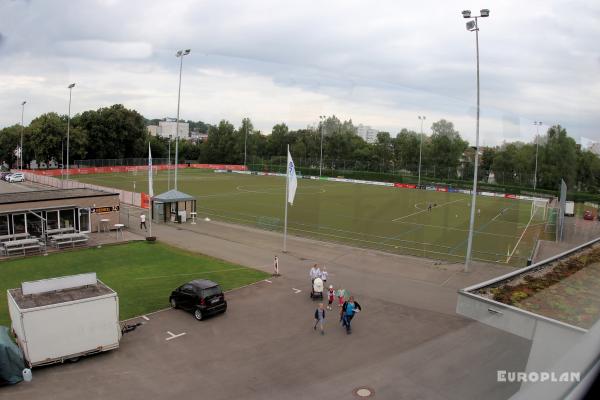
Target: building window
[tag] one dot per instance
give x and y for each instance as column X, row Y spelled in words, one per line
column 51, row 219
column 19, row 223
column 67, row 218
column 4, row 227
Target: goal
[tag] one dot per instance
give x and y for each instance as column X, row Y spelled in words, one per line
column 539, row 209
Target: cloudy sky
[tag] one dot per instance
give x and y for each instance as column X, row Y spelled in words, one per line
column 379, row 62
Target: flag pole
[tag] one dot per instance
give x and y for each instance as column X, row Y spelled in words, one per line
column 287, row 178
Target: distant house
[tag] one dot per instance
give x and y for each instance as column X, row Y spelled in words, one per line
column 168, row 127
column 367, row 133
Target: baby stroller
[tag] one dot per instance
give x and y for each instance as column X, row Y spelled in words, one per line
column 316, row 291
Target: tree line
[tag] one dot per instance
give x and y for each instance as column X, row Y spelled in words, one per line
column 116, row 132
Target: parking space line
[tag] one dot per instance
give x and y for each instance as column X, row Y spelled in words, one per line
column 173, row 336
column 146, row 318
column 266, row 280
column 296, row 290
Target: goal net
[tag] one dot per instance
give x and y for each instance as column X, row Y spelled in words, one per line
column 539, row 209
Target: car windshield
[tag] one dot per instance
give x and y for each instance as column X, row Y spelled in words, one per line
column 211, row 291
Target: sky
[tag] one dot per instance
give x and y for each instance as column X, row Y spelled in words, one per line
column 380, row 63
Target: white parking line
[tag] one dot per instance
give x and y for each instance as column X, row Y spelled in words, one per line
column 296, row 290
column 173, row 336
column 266, row 280
column 146, row 318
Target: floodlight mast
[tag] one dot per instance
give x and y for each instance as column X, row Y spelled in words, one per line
column 422, row 119
column 22, row 129
column 537, row 146
column 180, row 54
column 70, row 87
column 472, row 26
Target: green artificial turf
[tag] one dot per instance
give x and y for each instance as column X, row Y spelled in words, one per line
column 380, row 217
column 143, row 274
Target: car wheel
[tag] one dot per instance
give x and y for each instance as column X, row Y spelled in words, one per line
column 173, row 303
column 198, row 315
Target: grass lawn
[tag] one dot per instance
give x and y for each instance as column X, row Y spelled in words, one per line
column 142, row 274
column 386, row 218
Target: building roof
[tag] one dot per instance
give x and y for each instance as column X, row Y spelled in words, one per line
column 172, row 196
column 58, row 296
column 54, row 194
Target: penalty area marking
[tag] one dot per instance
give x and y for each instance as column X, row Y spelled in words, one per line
column 425, row 210
column 173, row 336
column 275, row 190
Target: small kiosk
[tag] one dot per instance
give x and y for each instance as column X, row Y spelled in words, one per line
column 172, row 206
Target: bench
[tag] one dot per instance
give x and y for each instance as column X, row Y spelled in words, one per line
column 22, row 246
column 71, row 239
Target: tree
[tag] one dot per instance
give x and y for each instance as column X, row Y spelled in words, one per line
column 48, row 139
column 9, row 141
column 220, row 146
column 558, row 159
column 446, row 149
column 113, row 132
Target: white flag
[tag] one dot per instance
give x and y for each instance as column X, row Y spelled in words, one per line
column 150, row 186
column 292, row 181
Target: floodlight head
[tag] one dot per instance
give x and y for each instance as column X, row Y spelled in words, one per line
column 485, row 12
column 23, row 103
column 471, row 26
column 71, row 86
column 186, row 52
column 466, row 14
column 178, row 54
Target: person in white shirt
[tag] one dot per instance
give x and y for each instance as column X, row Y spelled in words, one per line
column 143, row 221
column 318, row 273
column 324, row 275
column 313, row 272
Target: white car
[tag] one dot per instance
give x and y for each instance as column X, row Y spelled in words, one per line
column 17, row 177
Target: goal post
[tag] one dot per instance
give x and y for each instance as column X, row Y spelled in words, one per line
column 539, row 209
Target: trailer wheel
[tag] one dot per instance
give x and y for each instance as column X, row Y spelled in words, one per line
column 198, row 315
column 173, row 303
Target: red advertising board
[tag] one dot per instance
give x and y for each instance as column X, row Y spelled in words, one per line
column 405, row 185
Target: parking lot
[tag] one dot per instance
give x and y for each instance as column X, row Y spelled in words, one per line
column 406, row 343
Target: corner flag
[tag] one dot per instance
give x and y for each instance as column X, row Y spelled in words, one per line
column 292, row 181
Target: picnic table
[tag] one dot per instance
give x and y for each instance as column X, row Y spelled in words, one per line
column 22, row 245
column 68, row 239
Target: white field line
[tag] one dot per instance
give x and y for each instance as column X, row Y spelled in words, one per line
column 425, row 210
column 519, row 241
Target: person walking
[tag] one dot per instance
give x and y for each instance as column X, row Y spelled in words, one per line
column 341, row 296
column 313, row 272
column 143, row 221
column 330, row 297
column 349, row 308
column 276, row 266
column 324, row 275
column 320, row 318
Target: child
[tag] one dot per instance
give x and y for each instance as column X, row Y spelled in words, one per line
column 320, row 318
column 330, row 297
column 340, row 294
column 324, row 275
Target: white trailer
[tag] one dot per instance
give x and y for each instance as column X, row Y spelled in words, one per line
column 64, row 318
column 570, row 208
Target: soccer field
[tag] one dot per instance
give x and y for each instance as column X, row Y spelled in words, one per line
column 386, row 218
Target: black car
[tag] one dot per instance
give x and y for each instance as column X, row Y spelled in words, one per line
column 201, row 296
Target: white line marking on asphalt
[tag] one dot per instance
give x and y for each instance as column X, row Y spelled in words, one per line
column 266, row 280
column 296, row 290
column 146, row 318
column 173, row 336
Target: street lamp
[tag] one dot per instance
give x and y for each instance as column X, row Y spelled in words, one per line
column 70, row 87
column 323, row 119
column 422, row 119
column 22, row 128
column 169, row 165
column 180, row 54
column 245, row 144
column 537, row 146
column 472, row 26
